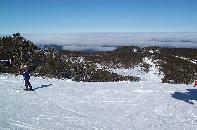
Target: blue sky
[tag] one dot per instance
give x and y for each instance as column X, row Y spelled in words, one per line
column 76, row 16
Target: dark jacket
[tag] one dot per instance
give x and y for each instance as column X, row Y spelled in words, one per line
column 26, row 74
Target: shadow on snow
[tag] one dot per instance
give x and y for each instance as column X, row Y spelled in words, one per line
column 186, row 96
column 43, row 86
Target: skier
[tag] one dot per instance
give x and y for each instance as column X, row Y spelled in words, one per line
column 195, row 83
column 26, row 76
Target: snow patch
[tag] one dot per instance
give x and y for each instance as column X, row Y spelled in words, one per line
column 136, row 71
column 187, row 59
column 154, row 74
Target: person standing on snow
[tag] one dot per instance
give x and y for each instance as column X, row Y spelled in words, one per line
column 26, row 76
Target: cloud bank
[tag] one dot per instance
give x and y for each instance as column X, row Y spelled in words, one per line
column 108, row 41
column 88, row 48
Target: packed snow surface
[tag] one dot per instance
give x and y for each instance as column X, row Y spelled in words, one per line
column 64, row 104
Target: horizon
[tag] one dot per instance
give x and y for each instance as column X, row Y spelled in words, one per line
column 49, row 33
column 109, row 40
column 99, row 41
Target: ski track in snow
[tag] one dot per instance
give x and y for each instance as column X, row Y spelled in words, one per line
column 63, row 104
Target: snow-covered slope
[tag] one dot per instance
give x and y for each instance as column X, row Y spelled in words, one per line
column 63, row 104
column 152, row 75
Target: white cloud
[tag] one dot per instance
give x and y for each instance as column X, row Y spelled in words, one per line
column 88, row 48
column 80, row 41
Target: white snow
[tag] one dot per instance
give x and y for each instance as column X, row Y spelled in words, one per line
column 152, row 75
column 192, row 61
column 151, row 51
column 136, row 71
column 64, row 104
